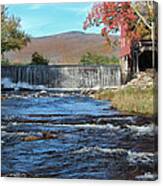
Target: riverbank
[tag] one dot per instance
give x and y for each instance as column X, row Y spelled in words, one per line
column 139, row 96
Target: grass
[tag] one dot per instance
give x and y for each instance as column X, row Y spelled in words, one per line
column 131, row 100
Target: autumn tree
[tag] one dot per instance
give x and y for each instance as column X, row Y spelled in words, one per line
column 134, row 20
column 12, row 36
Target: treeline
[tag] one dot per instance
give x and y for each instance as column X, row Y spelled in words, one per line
column 36, row 59
column 90, row 58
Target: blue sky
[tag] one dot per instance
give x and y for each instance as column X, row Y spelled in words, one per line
column 48, row 19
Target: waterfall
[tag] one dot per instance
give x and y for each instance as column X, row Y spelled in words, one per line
column 65, row 76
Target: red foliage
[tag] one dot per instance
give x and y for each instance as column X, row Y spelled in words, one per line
column 114, row 16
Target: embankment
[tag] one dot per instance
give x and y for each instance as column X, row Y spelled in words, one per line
column 139, row 96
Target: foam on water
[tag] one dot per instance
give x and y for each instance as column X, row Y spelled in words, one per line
column 7, row 83
column 143, row 130
column 146, row 177
column 107, row 126
column 141, row 157
column 133, row 157
column 118, row 151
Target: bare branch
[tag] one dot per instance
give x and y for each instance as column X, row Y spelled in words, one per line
column 141, row 17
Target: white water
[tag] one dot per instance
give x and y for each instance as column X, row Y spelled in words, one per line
column 146, row 177
column 7, row 83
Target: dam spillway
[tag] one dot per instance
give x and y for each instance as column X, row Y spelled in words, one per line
column 65, row 76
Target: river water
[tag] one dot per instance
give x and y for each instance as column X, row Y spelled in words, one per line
column 74, row 136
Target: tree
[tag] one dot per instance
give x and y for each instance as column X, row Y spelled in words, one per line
column 95, row 59
column 133, row 20
column 12, row 37
column 38, row 59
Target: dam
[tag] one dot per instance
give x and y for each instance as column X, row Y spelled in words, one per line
column 65, row 76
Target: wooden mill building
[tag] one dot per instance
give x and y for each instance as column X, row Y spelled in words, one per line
column 137, row 56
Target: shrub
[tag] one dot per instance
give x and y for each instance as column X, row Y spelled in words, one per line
column 114, row 60
column 90, row 58
column 38, row 59
column 5, row 62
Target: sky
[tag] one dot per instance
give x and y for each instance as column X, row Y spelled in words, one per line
column 48, row 19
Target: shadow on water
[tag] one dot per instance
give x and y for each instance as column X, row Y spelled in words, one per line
column 73, row 136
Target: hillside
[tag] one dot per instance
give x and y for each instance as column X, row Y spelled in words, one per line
column 64, row 48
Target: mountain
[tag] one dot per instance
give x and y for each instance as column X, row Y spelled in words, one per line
column 64, row 48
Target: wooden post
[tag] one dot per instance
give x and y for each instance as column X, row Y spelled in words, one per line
column 137, row 62
column 153, row 44
column 153, row 37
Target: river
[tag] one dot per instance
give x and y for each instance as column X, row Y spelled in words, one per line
column 74, row 136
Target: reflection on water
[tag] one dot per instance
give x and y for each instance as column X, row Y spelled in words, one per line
column 73, row 136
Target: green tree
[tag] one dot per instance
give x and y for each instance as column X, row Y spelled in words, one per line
column 38, row 59
column 114, row 60
column 12, row 36
column 89, row 58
